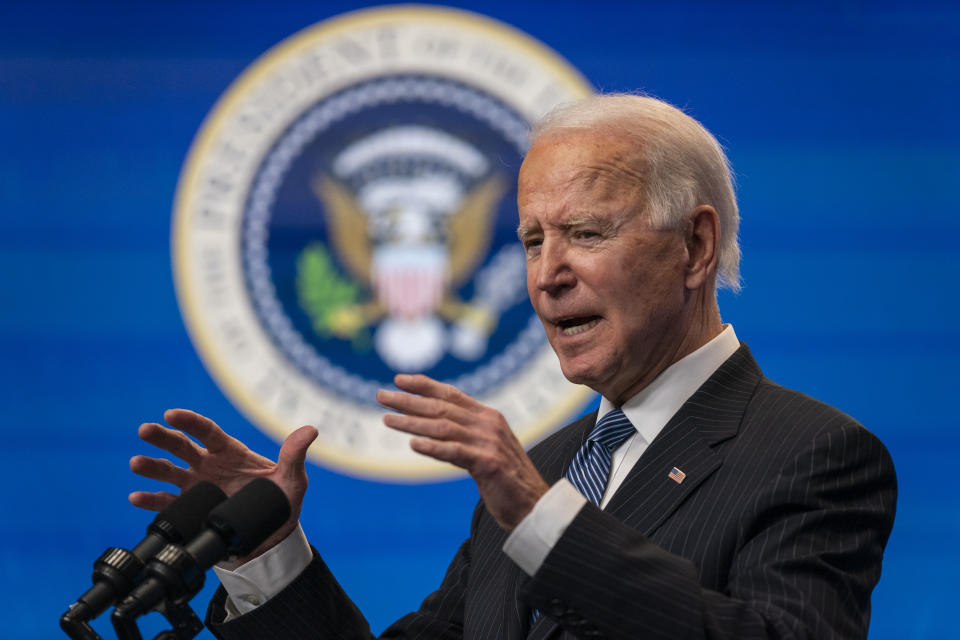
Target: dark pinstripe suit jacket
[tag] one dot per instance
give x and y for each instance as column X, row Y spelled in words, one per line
column 777, row 531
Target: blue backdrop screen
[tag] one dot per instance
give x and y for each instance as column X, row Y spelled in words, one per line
column 839, row 119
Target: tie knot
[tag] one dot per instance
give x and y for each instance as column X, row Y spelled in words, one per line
column 612, row 430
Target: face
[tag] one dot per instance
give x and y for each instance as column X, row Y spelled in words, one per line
column 609, row 289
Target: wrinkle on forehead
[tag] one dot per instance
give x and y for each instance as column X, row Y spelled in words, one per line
column 612, row 176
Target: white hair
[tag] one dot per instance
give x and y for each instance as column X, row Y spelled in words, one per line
column 685, row 164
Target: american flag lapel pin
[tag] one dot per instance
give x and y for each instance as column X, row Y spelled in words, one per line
column 676, row 475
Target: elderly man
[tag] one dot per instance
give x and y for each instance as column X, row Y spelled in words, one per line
column 702, row 500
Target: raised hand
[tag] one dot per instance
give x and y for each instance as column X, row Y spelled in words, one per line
column 451, row 426
column 223, row 460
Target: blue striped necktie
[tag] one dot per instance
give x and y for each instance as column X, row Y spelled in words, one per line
column 590, row 468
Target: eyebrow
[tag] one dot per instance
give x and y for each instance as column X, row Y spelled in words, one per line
column 572, row 222
column 523, row 231
column 583, row 220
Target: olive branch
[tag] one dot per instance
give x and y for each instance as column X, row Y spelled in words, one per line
column 328, row 298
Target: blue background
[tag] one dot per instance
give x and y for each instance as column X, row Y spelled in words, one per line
column 840, row 119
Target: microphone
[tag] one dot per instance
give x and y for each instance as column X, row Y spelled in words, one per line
column 117, row 571
column 234, row 528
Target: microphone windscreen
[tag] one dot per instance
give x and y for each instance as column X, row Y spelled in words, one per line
column 250, row 515
column 183, row 518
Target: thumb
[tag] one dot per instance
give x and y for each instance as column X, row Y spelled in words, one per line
column 293, row 451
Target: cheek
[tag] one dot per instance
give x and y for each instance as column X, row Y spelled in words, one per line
column 531, row 286
column 653, row 283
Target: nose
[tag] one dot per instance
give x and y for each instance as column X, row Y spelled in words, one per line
column 551, row 271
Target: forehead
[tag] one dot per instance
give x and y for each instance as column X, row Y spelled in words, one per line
column 595, row 165
column 578, row 169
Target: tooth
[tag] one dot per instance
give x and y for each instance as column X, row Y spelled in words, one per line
column 579, row 328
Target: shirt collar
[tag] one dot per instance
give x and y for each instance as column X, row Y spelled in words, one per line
column 652, row 407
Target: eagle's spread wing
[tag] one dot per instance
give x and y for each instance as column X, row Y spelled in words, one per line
column 470, row 227
column 347, row 226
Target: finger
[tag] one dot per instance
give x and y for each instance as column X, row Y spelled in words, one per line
column 455, row 453
column 160, row 469
column 170, row 440
column 155, row 501
column 428, row 427
column 425, row 386
column 293, row 451
column 200, row 427
column 427, row 407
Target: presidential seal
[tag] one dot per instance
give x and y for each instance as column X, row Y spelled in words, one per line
column 348, row 212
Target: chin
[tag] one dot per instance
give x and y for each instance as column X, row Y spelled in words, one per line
column 579, row 374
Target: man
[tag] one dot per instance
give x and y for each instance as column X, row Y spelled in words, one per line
column 706, row 501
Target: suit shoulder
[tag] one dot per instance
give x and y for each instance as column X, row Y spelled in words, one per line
column 787, row 411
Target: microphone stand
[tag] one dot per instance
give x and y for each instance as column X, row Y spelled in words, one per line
column 185, row 623
column 184, row 577
column 76, row 628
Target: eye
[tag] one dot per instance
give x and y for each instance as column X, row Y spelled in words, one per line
column 532, row 245
column 586, row 234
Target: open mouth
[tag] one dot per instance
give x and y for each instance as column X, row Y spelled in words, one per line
column 573, row 326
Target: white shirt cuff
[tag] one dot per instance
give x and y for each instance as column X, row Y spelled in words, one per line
column 253, row 583
column 531, row 541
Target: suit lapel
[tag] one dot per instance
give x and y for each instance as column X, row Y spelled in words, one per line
column 649, row 495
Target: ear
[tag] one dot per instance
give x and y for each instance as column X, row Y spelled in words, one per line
column 702, row 238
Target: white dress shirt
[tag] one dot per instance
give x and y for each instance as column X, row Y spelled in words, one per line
column 253, row 583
